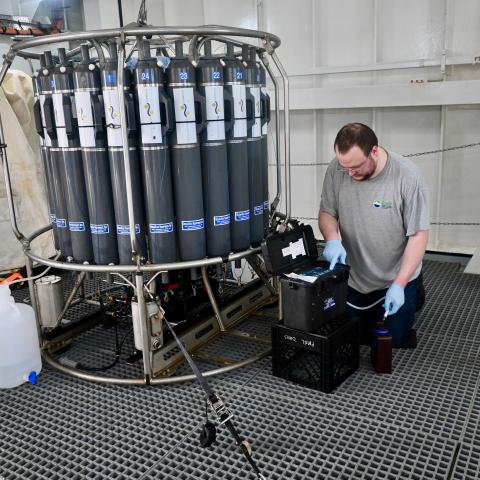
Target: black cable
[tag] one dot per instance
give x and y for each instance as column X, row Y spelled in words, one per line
column 221, row 411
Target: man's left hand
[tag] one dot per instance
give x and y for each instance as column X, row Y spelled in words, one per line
column 394, row 299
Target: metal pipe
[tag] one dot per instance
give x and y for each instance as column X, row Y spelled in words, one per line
column 213, row 301
column 142, row 268
column 154, row 381
column 33, row 299
column 8, row 186
column 273, row 40
column 278, row 196
column 126, row 153
column 144, row 326
column 286, row 121
column 76, row 286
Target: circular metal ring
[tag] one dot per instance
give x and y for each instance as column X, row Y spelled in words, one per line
column 154, row 381
column 80, row 267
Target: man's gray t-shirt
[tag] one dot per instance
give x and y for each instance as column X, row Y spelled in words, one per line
column 376, row 216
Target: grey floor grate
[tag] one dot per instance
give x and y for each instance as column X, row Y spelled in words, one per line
column 404, row 426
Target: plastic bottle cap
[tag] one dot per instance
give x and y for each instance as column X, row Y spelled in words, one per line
column 63, row 69
column 91, row 66
column 45, row 71
column 32, row 378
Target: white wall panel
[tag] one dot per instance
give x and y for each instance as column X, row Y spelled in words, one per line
column 409, row 29
column 345, row 42
column 293, row 22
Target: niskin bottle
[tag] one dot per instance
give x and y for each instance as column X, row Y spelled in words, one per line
column 20, row 359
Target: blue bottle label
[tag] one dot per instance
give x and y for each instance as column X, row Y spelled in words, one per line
column 266, row 205
column 221, row 220
column 76, row 226
column 258, row 210
column 191, row 225
column 100, row 229
column 53, row 218
column 61, row 223
column 161, row 227
column 125, row 229
column 242, row 215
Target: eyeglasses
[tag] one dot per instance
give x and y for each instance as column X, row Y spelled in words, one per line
column 356, row 169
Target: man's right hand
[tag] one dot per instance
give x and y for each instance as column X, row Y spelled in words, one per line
column 334, row 253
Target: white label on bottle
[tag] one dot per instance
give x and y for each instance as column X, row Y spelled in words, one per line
column 85, row 119
column 216, row 130
column 186, row 133
column 149, row 108
column 214, row 102
column 112, row 118
column 47, row 139
column 257, row 128
column 255, row 91
column 240, row 128
column 184, row 104
column 84, row 109
column 239, row 93
column 60, row 120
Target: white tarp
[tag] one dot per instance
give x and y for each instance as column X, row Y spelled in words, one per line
column 16, row 109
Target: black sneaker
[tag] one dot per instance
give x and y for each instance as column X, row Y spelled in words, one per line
column 411, row 340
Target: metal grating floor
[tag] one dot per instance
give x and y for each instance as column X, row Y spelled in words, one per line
column 422, row 422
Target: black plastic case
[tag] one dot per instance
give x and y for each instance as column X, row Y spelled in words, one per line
column 306, row 306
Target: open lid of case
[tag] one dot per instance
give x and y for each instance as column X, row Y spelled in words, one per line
column 287, row 251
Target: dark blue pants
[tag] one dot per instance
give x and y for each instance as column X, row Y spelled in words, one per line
column 400, row 323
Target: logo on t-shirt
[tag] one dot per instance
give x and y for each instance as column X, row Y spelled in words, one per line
column 382, row 204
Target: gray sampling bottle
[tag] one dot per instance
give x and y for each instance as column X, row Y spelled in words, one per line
column 210, row 82
column 236, row 111
column 117, row 161
column 93, row 142
column 68, row 157
column 44, row 151
column 254, row 145
column 190, row 117
column 155, row 119
column 53, row 170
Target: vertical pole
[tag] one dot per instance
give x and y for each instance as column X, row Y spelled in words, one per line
column 286, row 122
column 277, row 198
column 33, row 298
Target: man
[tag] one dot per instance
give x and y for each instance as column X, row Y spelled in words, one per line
column 374, row 215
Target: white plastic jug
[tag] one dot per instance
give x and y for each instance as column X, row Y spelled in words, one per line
column 20, row 359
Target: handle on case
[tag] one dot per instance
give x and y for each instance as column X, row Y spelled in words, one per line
column 49, row 114
column 98, row 116
column 37, row 114
column 167, row 103
column 130, row 108
column 200, row 100
column 229, row 109
column 68, row 115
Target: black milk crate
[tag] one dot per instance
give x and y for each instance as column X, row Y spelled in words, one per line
column 320, row 360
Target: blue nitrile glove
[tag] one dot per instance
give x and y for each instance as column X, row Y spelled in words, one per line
column 394, row 298
column 334, row 253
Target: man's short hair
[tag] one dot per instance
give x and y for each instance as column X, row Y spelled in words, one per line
column 357, row 134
